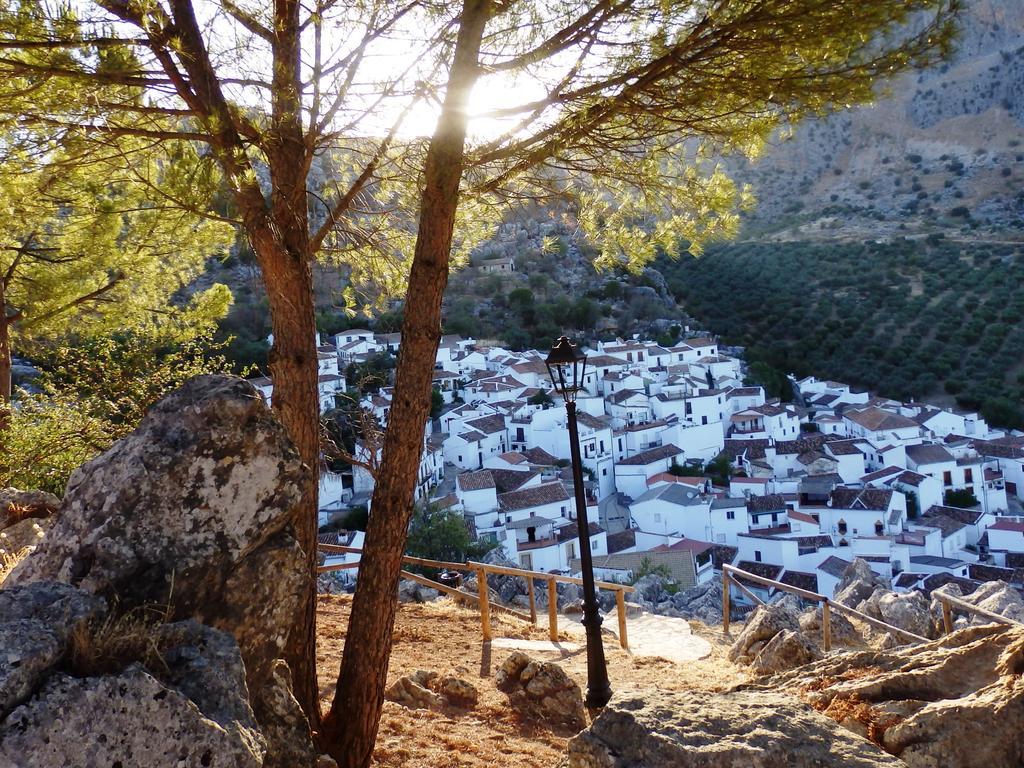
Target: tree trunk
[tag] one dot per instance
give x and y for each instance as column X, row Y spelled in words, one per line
column 295, row 400
column 350, row 728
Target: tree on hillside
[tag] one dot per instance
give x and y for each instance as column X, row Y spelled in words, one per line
column 622, row 121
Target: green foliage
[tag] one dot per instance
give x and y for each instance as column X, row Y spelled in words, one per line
column 436, row 534
column 960, row 497
column 541, row 398
column 913, row 509
column 94, row 391
column 647, row 567
column 719, row 470
column 436, row 402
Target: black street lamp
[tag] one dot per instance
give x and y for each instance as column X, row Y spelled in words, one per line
column 567, row 366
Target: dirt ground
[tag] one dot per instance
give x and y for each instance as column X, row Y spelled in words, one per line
column 444, row 637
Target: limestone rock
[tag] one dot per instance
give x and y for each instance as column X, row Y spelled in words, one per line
column 764, row 624
column 957, row 701
column 737, row 729
column 541, row 690
column 28, row 649
column 907, row 611
column 192, row 507
column 843, row 632
column 652, row 588
column 458, row 691
column 857, row 583
column 61, row 607
column 995, row 596
column 36, row 623
column 411, row 691
column 17, row 505
column 131, row 719
column 282, row 722
column 788, row 649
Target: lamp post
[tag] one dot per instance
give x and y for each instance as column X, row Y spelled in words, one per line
column 567, row 367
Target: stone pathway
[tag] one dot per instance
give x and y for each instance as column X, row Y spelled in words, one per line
column 534, row 646
column 651, row 635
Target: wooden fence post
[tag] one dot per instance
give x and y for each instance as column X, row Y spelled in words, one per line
column 533, row 600
column 826, row 626
column 725, row 601
column 483, row 592
column 947, row 616
column 552, row 610
column 620, row 605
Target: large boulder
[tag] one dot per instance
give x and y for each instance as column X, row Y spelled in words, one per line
column 541, row 690
column 652, row 588
column 191, row 510
column 957, row 701
column 737, row 729
column 907, row 611
column 842, row 630
column 36, row 625
column 764, row 623
column 788, row 649
column 995, row 596
column 191, row 709
column 857, row 583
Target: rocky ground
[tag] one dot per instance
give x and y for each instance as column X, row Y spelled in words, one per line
column 444, row 638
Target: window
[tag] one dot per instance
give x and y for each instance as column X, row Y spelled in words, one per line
column 730, row 514
column 604, row 472
column 879, row 528
column 703, row 419
column 460, row 457
column 947, row 478
column 842, row 527
column 757, row 555
column 526, row 561
column 593, row 544
column 657, row 517
column 968, row 475
column 570, row 550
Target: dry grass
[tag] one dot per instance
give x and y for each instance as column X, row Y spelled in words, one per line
column 445, row 638
column 9, row 560
column 109, row 645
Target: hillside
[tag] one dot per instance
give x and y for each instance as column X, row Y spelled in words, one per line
column 940, row 150
column 931, row 320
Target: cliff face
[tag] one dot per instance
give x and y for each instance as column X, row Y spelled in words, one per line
column 935, row 142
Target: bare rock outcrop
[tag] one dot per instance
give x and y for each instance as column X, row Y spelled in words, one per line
column 736, row 729
column 907, row 610
column 36, row 623
column 429, row 690
column 843, row 633
column 541, row 690
column 788, row 649
column 25, row 516
column 765, row 623
column 953, row 702
column 188, row 708
column 857, row 583
column 191, row 511
column 192, row 508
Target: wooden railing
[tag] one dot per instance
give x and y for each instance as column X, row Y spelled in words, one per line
column 482, row 598
column 730, row 573
column 948, row 601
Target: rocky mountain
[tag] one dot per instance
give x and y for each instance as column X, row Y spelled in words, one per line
column 940, row 149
